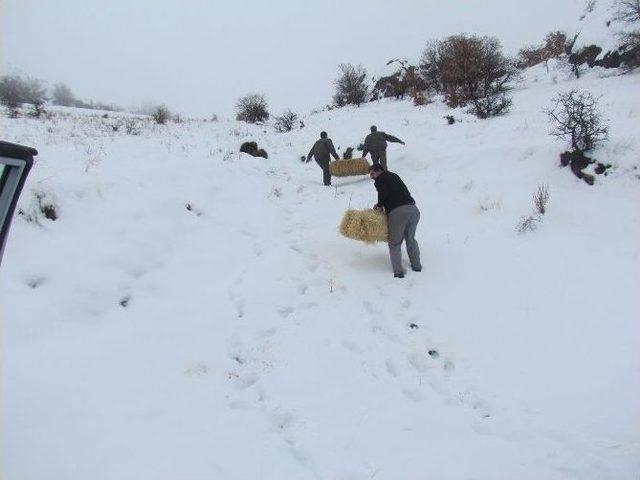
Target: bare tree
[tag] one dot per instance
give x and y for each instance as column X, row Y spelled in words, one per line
column 12, row 93
column 36, row 94
column 286, row 122
column 575, row 117
column 62, row 95
column 16, row 90
column 351, row 86
column 252, row 108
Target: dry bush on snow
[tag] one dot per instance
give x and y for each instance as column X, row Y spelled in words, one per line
column 252, row 108
column 16, row 90
column 575, row 117
column 555, row 45
column 528, row 223
column 286, row 122
column 161, row 115
column 351, row 86
column 470, row 71
column 541, row 198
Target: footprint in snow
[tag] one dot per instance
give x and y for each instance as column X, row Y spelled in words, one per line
column 391, row 368
column 302, row 288
column 284, row 312
column 35, row 282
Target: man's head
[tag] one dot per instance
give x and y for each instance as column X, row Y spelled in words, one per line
column 374, row 128
column 375, row 170
column 323, row 134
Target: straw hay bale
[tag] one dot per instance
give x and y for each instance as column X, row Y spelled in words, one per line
column 368, row 226
column 349, row 167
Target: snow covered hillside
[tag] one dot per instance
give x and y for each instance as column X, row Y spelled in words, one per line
column 193, row 312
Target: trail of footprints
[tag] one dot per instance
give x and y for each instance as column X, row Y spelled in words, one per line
column 424, row 364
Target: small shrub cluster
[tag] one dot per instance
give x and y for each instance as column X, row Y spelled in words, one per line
column 286, row 122
column 252, row 149
column 252, row 108
column 530, row 223
column 555, row 45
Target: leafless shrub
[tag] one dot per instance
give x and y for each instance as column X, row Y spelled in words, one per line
column 486, row 204
column 575, row 117
column 161, row 115
column 555, row 45
column 351, row 86
column 541, row 198
column 252, row 108
column 470, row 71
column 132, row 127
column 528, row 223
column 62, row 95
column 16, row 90
column 286, row 122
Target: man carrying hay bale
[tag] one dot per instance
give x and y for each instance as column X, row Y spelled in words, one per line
column 376, row 143
column 402, row 217
column 322, row 151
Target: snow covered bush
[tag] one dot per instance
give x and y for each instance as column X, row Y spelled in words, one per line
column 575, row 117
column 285, row 122
column 161, row 115
column 41, row 205
column 470, row 71
column 528, row 223
column 252, row 108
column 351, row 86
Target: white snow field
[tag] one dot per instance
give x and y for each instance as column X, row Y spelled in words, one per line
column 244, row 338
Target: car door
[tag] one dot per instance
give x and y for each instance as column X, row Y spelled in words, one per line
column 15, row 163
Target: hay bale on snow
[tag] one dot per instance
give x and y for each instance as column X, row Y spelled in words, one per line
column 368, row 226
column 349, row 167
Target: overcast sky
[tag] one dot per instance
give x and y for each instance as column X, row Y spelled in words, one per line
column 198, row 56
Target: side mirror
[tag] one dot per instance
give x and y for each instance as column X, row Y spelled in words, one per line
column 15, row 163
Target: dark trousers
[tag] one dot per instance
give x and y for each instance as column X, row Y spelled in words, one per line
column 326, row 173
column 379, row 157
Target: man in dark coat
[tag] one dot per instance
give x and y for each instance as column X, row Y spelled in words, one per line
column 322, row 151
column 402, row 217
column 376, row 143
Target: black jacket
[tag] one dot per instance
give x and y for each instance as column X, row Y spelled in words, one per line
column 392, row 192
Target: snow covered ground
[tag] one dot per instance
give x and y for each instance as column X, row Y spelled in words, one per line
column 243, row 338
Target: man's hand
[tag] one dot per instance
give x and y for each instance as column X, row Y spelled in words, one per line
column 402, row 143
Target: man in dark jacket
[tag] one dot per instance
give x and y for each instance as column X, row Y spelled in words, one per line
column 322, row 151
column 402, row 217
column 376, row 143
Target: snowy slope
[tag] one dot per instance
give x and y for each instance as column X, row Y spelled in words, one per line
column 255, row 342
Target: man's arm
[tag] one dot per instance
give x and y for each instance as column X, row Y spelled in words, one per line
column 332, row 150
column 382, row 194
column 392, row 139
column 310, row 155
